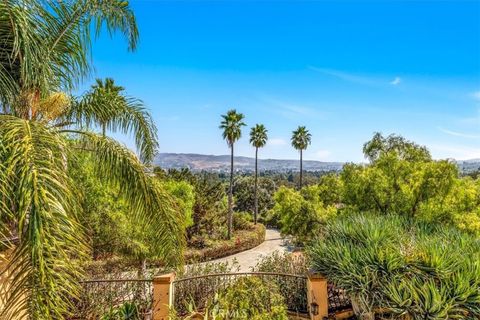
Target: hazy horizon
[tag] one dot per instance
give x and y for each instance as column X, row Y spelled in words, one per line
column 289, row 159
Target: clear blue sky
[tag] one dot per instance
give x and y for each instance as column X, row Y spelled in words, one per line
column 344, row 69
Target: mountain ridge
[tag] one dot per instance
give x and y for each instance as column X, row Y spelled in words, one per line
column 199, row 162
column 221, row 163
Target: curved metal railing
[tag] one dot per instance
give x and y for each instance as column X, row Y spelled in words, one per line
column 198, row 290
column 100, row 298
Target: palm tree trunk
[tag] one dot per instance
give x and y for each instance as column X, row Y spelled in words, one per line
column 230, row 196
column 256, row 186
column 301, row 167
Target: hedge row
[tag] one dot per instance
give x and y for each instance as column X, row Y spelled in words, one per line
column 241, row 240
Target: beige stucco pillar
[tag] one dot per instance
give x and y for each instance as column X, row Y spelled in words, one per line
column 6, row 277
column 162, row 296
column 317, row 296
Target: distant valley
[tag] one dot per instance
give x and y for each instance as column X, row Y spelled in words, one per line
column 199, row 162
column 221, row 163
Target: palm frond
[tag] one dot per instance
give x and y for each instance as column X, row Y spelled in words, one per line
column 232, row 123
column 41, row 267
column 21, row 53
column 258, row 136
column 46, row 45
column 301, row 138
column 106, row 106
column 150, row 203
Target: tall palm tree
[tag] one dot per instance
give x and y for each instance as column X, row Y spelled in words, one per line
column 301, row 138
column 44, row 53
column 232, row 123
column 258, row 139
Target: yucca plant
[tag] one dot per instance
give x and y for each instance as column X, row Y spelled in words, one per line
column 394, row 267
column 44, row 53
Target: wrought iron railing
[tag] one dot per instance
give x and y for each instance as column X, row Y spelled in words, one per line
column 106, row 299
column 198, row 290
column 337, row 300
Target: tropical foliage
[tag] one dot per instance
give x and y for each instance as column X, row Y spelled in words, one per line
column 231, row 126
column 43, row 130
column 394, row 267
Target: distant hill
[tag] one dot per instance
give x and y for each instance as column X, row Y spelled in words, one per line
column 198, row 162
column 467, row 166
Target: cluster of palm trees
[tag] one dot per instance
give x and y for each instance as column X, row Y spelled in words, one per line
column 231, row 126
column 45, row 52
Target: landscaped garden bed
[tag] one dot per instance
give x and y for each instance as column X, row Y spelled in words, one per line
column 241, row 240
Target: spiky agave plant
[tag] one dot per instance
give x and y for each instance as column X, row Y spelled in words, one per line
column 44, row 52
column 401, row 269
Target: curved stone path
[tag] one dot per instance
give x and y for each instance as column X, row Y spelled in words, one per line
column 249, row 258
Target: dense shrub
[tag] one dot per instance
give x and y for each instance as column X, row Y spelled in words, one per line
column 402, row 178
column 209, row 209
column 401, row 268
column 243, row 191
column 248, row 298
column 242, row 221
column 300, row 213
column 290, row 287
column 286, row 262
column 241, row 240
column 111, row 231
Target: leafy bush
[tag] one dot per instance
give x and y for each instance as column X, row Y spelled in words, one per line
column 403, row 179
column 300, row 213
column 401, row 268
column 248, row 298
column 201, row 269
column 242, row 221
column 209, row 209
column 286, row 262
column 243, row 191
column 185, row 197
column 289, row 286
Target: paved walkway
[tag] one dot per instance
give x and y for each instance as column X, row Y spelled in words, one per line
column 248, row 259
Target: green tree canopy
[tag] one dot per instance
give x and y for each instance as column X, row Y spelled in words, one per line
column 400, row 179
column 301, row 213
